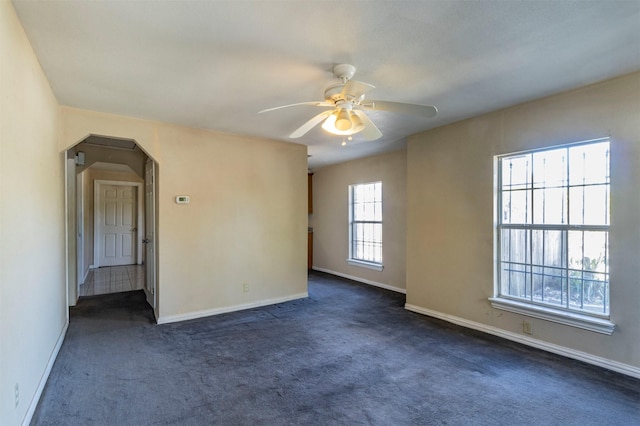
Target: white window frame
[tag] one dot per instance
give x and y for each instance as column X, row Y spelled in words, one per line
column 599, row 323
column 352, row 260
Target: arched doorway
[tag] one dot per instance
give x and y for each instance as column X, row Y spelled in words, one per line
column 111, row 216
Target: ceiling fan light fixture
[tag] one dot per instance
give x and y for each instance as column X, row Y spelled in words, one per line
column 330, row 124
column 343, row 121
column 355, row 126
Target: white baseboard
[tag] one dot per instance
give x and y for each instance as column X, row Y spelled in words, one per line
column 227, row 309
column 362, row 280
column 616, row 366
column 45, row 376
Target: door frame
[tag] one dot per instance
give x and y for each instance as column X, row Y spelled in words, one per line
column 140, row 217
column 82, row 272
column 150, row 211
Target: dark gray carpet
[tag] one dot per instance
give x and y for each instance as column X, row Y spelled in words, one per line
column 349, row 354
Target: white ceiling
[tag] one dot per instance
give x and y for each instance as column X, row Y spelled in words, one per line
column 215, row 64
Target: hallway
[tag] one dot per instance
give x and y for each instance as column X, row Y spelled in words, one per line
column 114, row 279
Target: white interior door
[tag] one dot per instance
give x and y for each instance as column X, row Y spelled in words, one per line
column 150, row 229
column 117, row 227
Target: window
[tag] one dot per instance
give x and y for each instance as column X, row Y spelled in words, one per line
column 553, row 233
column 365, row 225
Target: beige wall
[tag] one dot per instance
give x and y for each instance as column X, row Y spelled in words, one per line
column 451, row 202
column 330, row 218
column 32, row 261
column 246, row 223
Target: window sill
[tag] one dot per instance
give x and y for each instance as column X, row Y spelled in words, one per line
column 363, row 264
column 598, row 325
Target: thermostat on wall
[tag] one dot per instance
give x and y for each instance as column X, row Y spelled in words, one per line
column 183, row 199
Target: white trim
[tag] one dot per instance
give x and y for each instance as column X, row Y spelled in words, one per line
column 80, row 230
column 362, row 280
column 361, row 263
column 150, row 297
column 45, row 376
column 599, row 325
column 609, row 364
column 234, row 308
column 96, row 213
column 70, row 226
column 365, row 264
column 86, row 274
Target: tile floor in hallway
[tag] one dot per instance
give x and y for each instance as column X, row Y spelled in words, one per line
column 113, row 279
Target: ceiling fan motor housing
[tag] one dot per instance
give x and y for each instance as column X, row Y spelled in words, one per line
column 333, row 93
column 344, row 72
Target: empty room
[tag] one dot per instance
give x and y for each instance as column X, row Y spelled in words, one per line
column 319, row 212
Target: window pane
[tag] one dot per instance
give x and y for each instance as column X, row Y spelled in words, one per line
column 595, row 251
column 549, row 286
column 538, row 283
column 589, row 164
column 595, row 292
column 588, row 250
column 548, row 248
column 377, row 233
column 516, row 172
column 367, row 243
column 515, row 245
column 588, row 273
column 358, row 194
column 358, row 212
column 516, row 207
column 550, row 168
column 589, row 205
column 556, row 287
column 516, row 280
column 368, row 232
column 575, row 289
column 368, row 211
column 550, row 206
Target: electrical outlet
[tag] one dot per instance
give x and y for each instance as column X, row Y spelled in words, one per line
column 526, row 327
column 16, row 391
column 245, row 287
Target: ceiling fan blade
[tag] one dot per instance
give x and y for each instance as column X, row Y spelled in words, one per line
column 356, row 89
column 302, row 130
column 370, row 131
column 402, row 108
column 319, row 103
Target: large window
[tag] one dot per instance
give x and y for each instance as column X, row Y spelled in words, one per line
column 553, row 228
column 365, row 225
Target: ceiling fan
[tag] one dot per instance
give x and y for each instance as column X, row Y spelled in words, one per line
column 347, row 102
